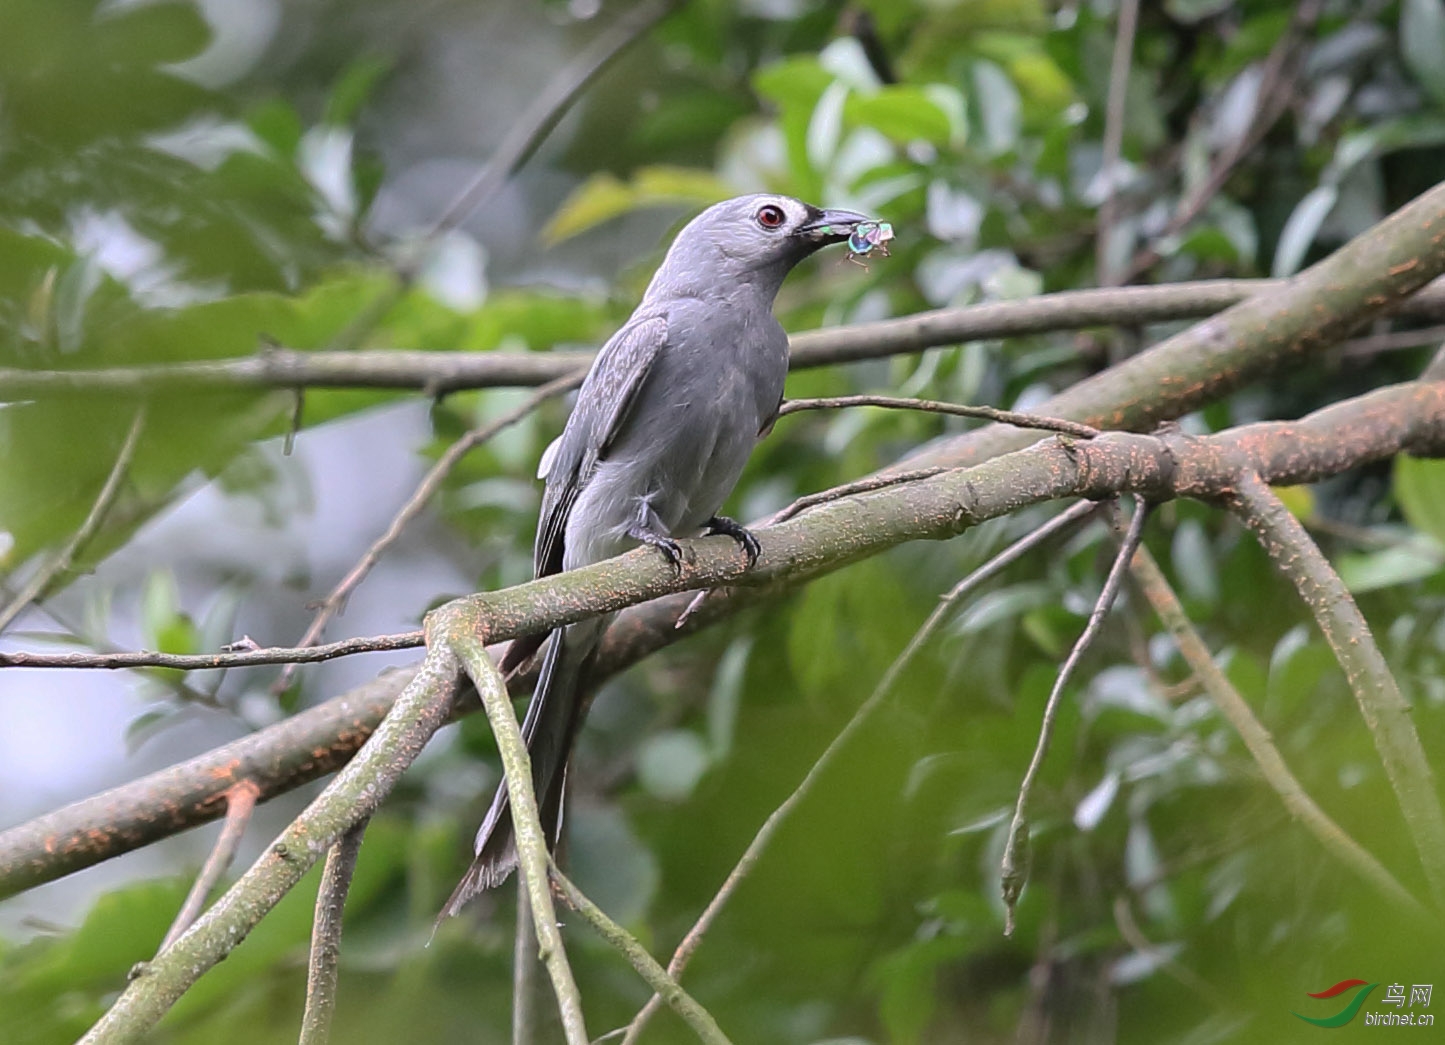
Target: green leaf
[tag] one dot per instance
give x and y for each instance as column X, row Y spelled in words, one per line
column 904, row 114
column 1301, row 228
column 794, row 83
column 1422, row 44
column 671, row 763
column 1402, row 564
column 354, row 88
column 602, row 197
column 1420, row 493
column 159, row 603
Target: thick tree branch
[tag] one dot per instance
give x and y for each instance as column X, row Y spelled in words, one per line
column 1386, row 711
column 277, row 759
column 438, row 373
column 1257, row 741
column 354, row 795
column 1408, row 417
column 1289, row 322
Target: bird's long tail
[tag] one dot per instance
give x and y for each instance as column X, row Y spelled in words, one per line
column 549, row 728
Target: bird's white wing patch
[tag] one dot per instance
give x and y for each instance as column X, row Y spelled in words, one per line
column 549, row 455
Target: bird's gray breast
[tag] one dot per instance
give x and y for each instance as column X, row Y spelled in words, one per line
column 712, row 388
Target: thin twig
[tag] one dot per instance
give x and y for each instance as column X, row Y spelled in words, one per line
column 834, row 493
column 323, row 970
column 521, row 140
column 1271, row 103
column 1113, row 145
column 812, row 500
column 439, row 373
column 73, row 631
column 1394, row 341
column 1257, row 741
column 1135, row 938
column 335, row 602
column 1384, row 708
column 243, row 658
column 1015, row 865
column 934, row 406
column 41, row 580
column 684, row 1004
column 456, row 626
column 683, row 954
column 548, row 107
column 240, row 804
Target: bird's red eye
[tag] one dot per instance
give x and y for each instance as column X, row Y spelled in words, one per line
column 770, row 217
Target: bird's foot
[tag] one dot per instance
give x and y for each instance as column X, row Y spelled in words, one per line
column 738, row 532
column 671, row 550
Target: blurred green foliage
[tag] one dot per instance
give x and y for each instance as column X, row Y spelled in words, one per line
column 147, row 218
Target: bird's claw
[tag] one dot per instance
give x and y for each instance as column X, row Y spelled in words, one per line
column 721, row 524
column 671, row 550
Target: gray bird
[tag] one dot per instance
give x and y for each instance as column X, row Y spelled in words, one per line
column 664, row 423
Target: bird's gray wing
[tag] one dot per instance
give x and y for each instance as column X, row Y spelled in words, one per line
column 603, row 405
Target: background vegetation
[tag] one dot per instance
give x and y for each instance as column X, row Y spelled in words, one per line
column 184, row 182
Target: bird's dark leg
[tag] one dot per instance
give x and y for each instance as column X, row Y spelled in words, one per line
column 648, row 530
column 738, row 532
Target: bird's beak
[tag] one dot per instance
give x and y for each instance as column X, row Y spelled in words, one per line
column 832, row 226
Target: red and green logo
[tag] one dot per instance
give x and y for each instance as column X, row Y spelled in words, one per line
column 1351, row 1009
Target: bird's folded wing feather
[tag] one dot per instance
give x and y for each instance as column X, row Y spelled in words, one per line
column 607, row 397
column 603, row 405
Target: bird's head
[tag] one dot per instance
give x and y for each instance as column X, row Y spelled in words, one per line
column 752, row 239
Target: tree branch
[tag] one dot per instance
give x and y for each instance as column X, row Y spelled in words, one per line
column 438, row 373
column 933, row 406
column 324, row 966
column 240, row 658
column 240, row 804
column 548, row 107
column 353, row 796
column 1014, row 870
column 1257, row 741
column 1278, row 327
column 656, row 977
column 690, row 942
column 46, row 575
column 524, row 972
column 1407, row 417
column 425, row 491
column 460, row 627
column 1384, row 708
column 1113, row 143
